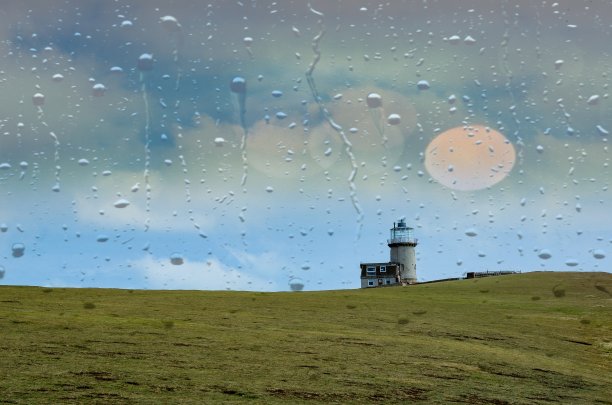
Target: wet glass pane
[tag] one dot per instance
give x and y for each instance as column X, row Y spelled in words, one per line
column 267, row 145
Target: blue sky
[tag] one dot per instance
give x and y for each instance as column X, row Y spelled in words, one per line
column 104, row 189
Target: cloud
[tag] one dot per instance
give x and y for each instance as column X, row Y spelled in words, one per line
column 197, row 275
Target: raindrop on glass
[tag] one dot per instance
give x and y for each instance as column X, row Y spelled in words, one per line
column 296, row 284
column 176, row 259
column 394, row 119
column 374, row 100
column 471, row 232
column 38, row 99
column 98, row 90
column 18, row 249
column 544, row 254
column 423, row 85
column 121, row 203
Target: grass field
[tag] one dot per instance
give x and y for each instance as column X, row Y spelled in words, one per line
column 517, row 339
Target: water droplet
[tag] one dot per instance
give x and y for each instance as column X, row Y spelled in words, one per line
column 121, row 203
column 593, row 100
column 423, row 85
column 38, row 99
column 374, row 100
column 599, row 254
column 571, row 262
column 394, row 119
column 270, row 189
column 454, row 39
column 469, row 40
column 238, row 85
column 602, row 130
column 176, row 259
column 145, row 62
column 277, row 93
column 102, row 238
column 219, row 141
column 18, row 249
column 471, row 232
column 296, row 284
column 2, row 272
column 170, row 23
column 544, row 254
column 98, row 90
column 83, row 162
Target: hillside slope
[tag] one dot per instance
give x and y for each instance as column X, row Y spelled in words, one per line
column 527, row 339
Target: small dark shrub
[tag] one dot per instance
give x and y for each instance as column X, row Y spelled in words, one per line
column 559, row 293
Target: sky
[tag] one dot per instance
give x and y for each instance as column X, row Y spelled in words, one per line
column 270, row 146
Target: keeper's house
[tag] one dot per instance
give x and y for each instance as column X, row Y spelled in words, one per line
column 379, row 274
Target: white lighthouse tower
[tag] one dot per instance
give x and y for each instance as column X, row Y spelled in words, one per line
column 402, row 244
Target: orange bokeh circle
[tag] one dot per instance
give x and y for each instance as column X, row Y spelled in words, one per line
column 470, row 157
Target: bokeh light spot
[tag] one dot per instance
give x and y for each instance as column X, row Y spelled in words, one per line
column 469, row 157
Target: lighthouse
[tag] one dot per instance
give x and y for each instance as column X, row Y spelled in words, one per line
column 401, row 244
column 401, row 267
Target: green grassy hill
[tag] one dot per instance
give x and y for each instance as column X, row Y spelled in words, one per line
column 527, row 339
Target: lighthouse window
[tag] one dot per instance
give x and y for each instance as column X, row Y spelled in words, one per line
column 370, row 283
column 371, row 269
column 383, row 269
